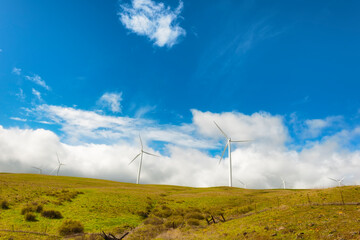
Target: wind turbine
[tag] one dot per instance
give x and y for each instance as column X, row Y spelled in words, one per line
column 242, row 183
column 337, row 180
column 58, row 167
column 283, row 182
column 228, row 143
column 141, row 158
column 40, row 170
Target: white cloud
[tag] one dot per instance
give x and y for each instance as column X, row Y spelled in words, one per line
column 36, row 93
column 21, row 95
column 141, row 112
column 154, row 20
column 16, row 71
column 18, row 119
column 313, row 128
column 82, row 126
column 111, row 101
column 101, row 146
column 262, row 127
column 38, row 80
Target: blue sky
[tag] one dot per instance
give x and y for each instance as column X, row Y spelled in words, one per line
column 296, row 61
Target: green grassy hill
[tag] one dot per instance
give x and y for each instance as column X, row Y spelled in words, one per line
column 172, row 212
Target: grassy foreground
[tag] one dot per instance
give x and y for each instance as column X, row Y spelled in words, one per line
column 172, row 212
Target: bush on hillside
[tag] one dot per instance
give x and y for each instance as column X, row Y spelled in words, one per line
column 142, row 214
column 69, row 227
column 4, row 204
column 244, row 210
column 39, row 208
column 33, row 207
column 194, row 215
column 154, row 221
column 30, row 217
column 164, row 212
column 174, row 222
column 193, row 222
column 52, row 214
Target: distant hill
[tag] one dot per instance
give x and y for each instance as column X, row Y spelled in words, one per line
column 36, row 206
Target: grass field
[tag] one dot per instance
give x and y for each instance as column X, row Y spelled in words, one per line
column 173, row 212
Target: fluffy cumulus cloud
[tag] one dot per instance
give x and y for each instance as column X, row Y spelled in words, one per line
column 153, row 20
column 82, row 126
column 101, row 146
column 112, row 101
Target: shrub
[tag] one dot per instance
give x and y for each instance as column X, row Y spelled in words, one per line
column 39, row 208
column 26, row 210
column 193, row 222
column 174, row 222
column 164, row 212
column 30, row 217
column 154, row 221
column 244, row 209
column 4, row 204
column 194, row 215
column 63, row 195
column 52, row 214
column 33, row 207
column 142, row 214
column 69, row 227
column 179, row 211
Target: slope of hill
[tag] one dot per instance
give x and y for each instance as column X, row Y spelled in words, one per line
column 172, row 212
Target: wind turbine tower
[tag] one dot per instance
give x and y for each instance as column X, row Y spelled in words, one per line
column 141, row 158
column 283, row 182
column 40, row 170
column 228, row 144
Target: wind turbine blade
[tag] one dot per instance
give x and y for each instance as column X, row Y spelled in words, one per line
column 241, row 140
column 221, row 131
column 134, row 158
column 151, row 154
column 342, row 179
column 141, row 142
column 53, row 170
column 241, row 182
column 332, row 179
column 223, row 152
